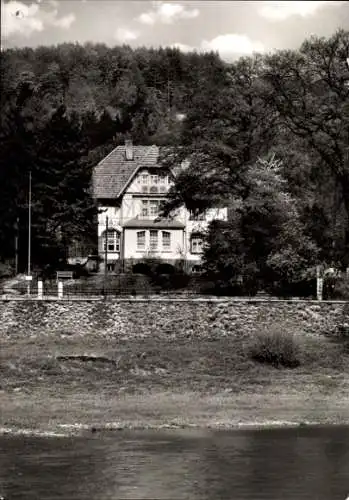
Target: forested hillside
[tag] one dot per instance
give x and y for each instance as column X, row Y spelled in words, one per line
column 62, row 109
column 267, row 135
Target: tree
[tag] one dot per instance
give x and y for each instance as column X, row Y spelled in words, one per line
column 62, row 204
column 264, row 238
column 306, row 88
column 17, row 145
column 228, row 126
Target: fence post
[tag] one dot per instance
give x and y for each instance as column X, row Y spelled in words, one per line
column 40, row 289
column 60, row 289
column 319, row 284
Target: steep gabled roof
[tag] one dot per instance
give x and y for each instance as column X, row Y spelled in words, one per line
column 113, row 173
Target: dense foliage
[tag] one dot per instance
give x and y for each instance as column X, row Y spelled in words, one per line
column 62, row 109
column 266, row 136
column 289, row 109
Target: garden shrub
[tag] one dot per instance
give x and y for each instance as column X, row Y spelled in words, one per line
column 6, row 270
column 305, row 288
column 142, row 268
column 336, row 288
column 275, row 345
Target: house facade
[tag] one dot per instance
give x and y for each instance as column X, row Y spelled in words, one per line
column 129, row 186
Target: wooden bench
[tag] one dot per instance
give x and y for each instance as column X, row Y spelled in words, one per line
column 66, row 275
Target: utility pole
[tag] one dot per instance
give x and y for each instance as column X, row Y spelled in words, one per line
column 29, row 276
column 16, row 245
column 168, row 100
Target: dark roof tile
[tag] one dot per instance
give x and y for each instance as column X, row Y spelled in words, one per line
column 112, row 173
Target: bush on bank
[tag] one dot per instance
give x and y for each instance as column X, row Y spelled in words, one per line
column 275, row 345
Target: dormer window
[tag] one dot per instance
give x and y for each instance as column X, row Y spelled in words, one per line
column 144, row 178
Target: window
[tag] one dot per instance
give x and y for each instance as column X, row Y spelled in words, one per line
column 153, row 240
column 154, row 207
column 196, row 215
column 112, row 240
column 141, row 240
column 144, row 179
column 150, row 208
column 166, row 240
column 196, row 244
column 196, row 269
column 163, row 179
column 154, row 179
column 145, row 208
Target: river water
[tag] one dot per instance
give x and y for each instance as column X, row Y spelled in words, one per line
column 279, row 464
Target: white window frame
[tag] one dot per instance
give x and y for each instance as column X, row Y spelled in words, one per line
column 154, row 207
column 166, row 240
column 144, row 179
column 141, row 240
column 154, row 179
column 113, row 241
column 150, row 207
column 153, row 240
column 195, row 242
column 145, row 208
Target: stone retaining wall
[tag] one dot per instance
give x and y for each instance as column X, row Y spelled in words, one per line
column 170, row 317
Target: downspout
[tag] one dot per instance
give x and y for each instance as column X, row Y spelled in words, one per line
column 122, row 242
column 185, row 246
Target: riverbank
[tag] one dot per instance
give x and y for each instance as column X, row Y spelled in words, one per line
column 61, row 382
column 159, row 411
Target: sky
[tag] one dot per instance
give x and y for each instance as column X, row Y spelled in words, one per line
column 233, row 28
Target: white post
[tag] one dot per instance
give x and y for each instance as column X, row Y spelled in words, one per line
column 60, row 289
column 319, row 284
column 40, row 289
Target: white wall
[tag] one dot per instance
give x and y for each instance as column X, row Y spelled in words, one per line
column 131, row 207
column 131, row 252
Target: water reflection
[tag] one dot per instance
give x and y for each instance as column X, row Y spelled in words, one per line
column 286, row 464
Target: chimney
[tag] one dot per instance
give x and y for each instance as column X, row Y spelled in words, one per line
column 128, row 149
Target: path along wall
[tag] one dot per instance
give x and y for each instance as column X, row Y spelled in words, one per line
column 171, row 318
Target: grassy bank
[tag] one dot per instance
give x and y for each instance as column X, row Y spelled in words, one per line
column 56, row 381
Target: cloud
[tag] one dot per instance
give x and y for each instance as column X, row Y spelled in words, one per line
column 64, row 22
column 231, row 46
column 279, row 11
column 22, row 19
column 125, row 35
column 182, row 47
column 167, row 13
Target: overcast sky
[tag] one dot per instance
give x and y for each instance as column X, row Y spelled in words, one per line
column 229, row 27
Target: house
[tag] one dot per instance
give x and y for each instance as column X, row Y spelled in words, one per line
column 129, row 186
